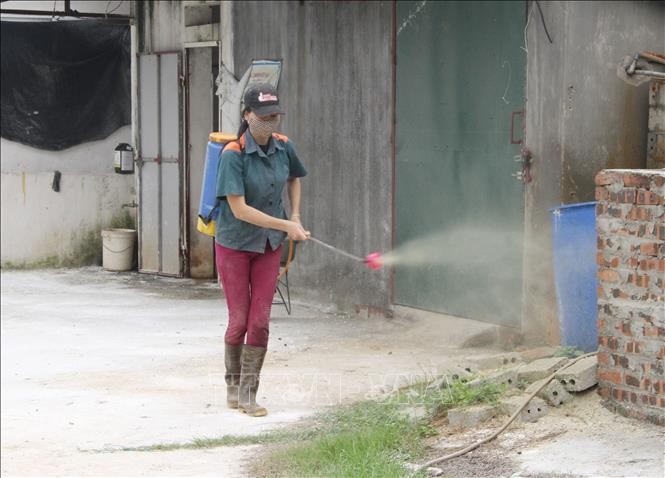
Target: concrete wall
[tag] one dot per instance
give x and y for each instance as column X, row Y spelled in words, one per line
column 336, row 87
column 580, row 118
column 160, row 26
column 42, row 226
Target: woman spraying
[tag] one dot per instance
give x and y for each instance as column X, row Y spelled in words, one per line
column 251, row 227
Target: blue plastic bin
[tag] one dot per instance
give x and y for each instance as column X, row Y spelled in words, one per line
column 574, row 251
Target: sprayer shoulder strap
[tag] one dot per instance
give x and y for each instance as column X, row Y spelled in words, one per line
column 239, row 145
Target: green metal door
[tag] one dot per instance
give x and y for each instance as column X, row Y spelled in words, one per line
column 458, row 204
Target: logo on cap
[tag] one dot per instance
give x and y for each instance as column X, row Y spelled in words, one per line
column 263, row 97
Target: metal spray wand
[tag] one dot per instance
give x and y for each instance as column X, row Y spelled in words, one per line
column 373, row 260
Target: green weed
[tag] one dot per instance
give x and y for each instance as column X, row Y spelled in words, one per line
column 366, row 452
column 374, row 438
column 367, row 439
column 452, row 394
column 568, row 351
column 225, row 440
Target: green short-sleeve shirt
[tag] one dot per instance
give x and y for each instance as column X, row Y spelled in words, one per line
column 260, row 177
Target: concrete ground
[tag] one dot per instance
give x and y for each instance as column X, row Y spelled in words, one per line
column 93, row 361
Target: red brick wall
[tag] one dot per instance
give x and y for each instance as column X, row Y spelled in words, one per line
column 630, row 220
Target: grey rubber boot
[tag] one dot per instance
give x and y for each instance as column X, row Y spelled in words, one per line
column 252, row 361
column 232, row 354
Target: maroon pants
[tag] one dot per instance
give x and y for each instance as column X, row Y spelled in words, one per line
column 248, row 280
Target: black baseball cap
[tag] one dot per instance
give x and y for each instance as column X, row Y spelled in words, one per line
column 263, row 100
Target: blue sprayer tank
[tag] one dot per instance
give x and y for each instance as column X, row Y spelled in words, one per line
column 574, row 252
column 208, row 202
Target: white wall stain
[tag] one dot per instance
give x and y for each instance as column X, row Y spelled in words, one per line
column 526, row 28
column 89, row 188
column 510, row 74
column 412, row 15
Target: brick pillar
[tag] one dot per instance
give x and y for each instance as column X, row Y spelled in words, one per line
column 630, row 220
column 656, row 137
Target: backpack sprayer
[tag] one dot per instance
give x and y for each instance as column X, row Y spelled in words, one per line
column 374, row 260
column 208, row 204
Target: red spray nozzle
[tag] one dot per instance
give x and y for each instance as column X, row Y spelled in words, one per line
column 374, row 261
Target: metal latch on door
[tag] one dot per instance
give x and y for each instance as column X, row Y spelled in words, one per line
column 525, row 158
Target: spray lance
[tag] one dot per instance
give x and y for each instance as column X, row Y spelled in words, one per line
column 374, row 260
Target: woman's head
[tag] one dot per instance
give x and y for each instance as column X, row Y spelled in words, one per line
column 261, row 113
column 262, row 99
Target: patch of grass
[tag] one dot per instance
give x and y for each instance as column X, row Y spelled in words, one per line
column 452, row 394
column 200, row 443
column 374, row 438
column 366, row 452
column 367, row 439
column 568, row 351
column 298, row 432
column 462, row 395
column 225, row 440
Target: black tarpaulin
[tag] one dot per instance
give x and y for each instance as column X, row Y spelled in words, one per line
column 64, row 82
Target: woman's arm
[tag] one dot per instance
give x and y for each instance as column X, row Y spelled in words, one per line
column 293, row 189
column 242, row 211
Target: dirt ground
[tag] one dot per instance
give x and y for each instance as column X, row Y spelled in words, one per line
column 580, row 438
column 94, row 361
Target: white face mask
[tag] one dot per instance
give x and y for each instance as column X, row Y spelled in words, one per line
column 260, row 128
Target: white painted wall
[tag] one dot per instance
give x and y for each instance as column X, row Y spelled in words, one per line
column 39, row 223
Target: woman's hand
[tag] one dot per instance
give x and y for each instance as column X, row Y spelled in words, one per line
column 296, row 232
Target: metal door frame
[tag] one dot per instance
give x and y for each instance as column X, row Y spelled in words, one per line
column 185, row 87
column 179, row 160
